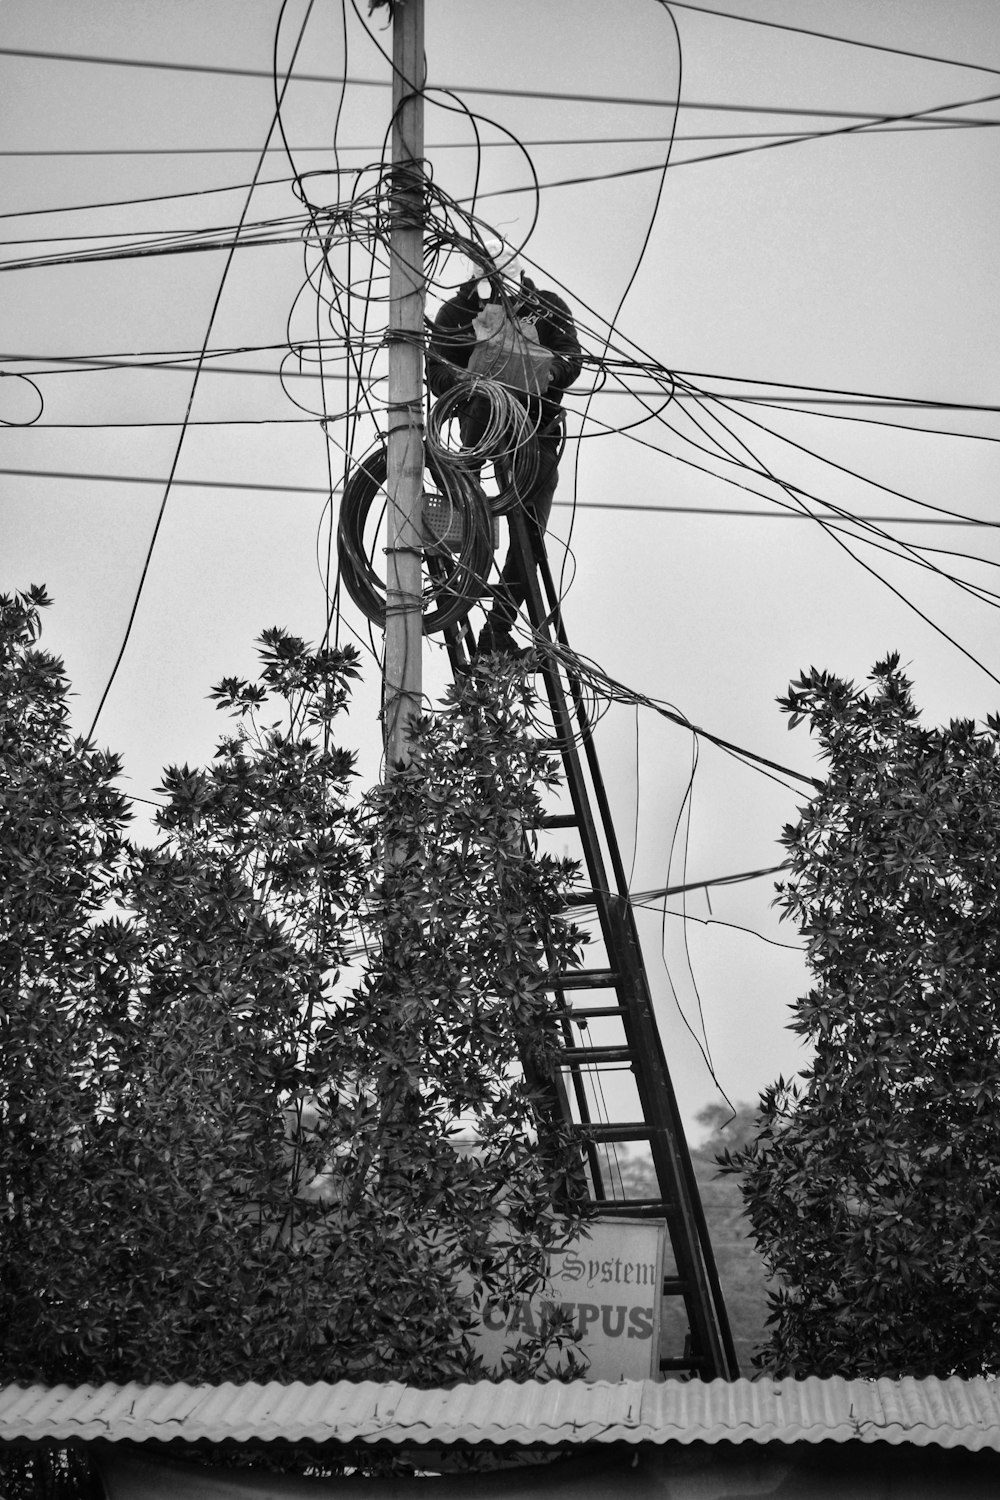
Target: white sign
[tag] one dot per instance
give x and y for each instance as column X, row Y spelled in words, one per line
column 608, row 1282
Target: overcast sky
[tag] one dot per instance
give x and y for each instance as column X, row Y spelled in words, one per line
column 862, row 263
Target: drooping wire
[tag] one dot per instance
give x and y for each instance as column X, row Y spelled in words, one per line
column 194, row 386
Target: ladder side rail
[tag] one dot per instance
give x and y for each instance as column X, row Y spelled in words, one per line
column 458, row 639
column 566, row 734
column 566, row 740
column 668, row 1145
column 669, row 1140
column 580, row 1094
column 586, row 729
column 626, row 916
column 706, row 1314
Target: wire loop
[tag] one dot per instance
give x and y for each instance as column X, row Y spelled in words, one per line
column 458, row 543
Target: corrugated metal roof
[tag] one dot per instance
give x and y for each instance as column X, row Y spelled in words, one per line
column 950, row 1413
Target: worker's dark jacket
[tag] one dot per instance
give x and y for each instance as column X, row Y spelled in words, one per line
column 453, row 338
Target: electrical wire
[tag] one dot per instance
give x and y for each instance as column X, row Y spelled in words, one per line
column 906, row 551
column 443, row 204
column 838, row 538
column 254, row 485
column 338, row 284
column 170, row 361
column 688, row 916
column 194, row 385
column 825, row 390
column 792, row 512
column 829, row 36
column 561, row 96
column 871, row 126
column 76, row 208
column 761, row 515
column 176, row 422
column 563, row 141
column 584, row 910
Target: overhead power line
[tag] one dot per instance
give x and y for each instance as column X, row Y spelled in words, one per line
column 315, row 489
column 75, row 208
column 229, row 241
column 784, row 391
column 871, row 125
column 505, row 145
column 875, row 125
column 583, row 903
column 455, row 88
column 377, row 147
column 876, row 397
column 831, row 36
column 216, row 301
column 783, row 515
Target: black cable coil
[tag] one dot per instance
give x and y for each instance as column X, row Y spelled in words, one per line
column 457, row 541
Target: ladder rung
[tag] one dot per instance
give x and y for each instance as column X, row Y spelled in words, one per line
column 594, row 898
column 574, row 1055
column 585, row 979
column 613, row 983
column 587, row 1012
column 580, row 898
column 626, row 1206
column 636, row 1130
column 617, row 1208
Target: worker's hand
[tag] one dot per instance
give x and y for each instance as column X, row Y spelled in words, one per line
column 542, row 366
column 474, row 421
column 441, row 378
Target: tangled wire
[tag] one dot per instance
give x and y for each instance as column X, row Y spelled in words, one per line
column 507, row 437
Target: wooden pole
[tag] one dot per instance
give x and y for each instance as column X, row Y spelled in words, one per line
column 405, row 441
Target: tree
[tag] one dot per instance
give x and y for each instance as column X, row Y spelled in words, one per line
column 61, row 847
column 873, row 1183
column 229, row 1110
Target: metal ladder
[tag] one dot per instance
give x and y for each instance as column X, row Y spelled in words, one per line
column 701, row 1344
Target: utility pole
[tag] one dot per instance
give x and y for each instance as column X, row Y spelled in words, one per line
column 405, row 440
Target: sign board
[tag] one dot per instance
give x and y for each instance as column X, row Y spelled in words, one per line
column 608, row 1281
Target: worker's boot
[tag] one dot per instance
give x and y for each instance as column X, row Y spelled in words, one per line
column 497, row 640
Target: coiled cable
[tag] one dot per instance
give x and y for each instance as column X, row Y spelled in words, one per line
column 457, row 541
column 508, row 437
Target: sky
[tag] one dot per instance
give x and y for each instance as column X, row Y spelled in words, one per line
column 863, row 263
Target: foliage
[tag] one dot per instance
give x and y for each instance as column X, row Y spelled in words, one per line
column 61, row 847
column 873, row 1184
column 741, row 1269
column 226, row 1154
column 455, row 997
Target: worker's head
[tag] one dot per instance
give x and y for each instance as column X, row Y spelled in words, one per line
column 503, row 260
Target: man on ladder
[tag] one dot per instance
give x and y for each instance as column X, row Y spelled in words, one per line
column 502, row 328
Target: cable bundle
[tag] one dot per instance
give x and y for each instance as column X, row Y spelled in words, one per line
column 508, row 440
column 457, row 536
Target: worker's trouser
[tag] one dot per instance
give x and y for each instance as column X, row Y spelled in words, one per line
column 535, row 505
